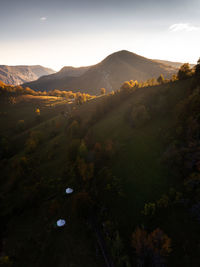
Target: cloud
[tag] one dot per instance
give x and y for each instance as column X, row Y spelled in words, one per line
column 43, row 18
column 183, row 27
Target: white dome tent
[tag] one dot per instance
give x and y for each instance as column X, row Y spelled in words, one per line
column 69, row 190
column 60, row 223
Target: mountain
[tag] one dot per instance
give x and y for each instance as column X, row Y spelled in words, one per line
column 57, row 80
column 16, row 75
column 71, row 71
column 173, row 64
column 109, row 73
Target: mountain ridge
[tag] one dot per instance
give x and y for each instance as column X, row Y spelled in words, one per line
column 110, row 73
column 16, row 75
column 171, row 63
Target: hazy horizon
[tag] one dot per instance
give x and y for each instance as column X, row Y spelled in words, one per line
column 82, row 33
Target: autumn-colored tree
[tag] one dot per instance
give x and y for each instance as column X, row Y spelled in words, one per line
column 140, row 244
column 174, row 78
column 37, row 112
column 29, row 91
column 161, row 79
column 184, row 72
column 112, row 93
column 80, row 98
column 126, row 87
column 151, row 249
column 103, row 91
column 159, row 242
column 135, row 83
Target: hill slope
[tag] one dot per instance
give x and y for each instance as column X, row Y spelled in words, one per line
column 111, row 144
column 109, row 73
column 16, row 75
column 173, row 64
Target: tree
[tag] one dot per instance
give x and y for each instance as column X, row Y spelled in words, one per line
column 197, row 69
column 149, row 209
column 80, row 98
column 159, row 242
column 174, row 78
column 133, row 83
column 139, row 241
column 37, row 111
column 161, row 79
column 126, row 87
column 184, row 72
column 103, row 91
column 151, row 249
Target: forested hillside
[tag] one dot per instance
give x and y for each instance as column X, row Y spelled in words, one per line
column 132, row 159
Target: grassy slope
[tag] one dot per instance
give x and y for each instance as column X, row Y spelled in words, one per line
column 24, row 109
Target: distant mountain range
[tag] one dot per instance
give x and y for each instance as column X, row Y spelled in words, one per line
column 173, row 64
column 109, row 73
column 57, row 80
column 16, row 75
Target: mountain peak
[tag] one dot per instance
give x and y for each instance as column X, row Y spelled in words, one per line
column 110, row 74
column 123, row 55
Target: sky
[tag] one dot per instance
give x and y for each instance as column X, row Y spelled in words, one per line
column 57, row 33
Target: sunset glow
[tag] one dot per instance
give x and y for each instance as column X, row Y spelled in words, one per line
column 57, row 34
